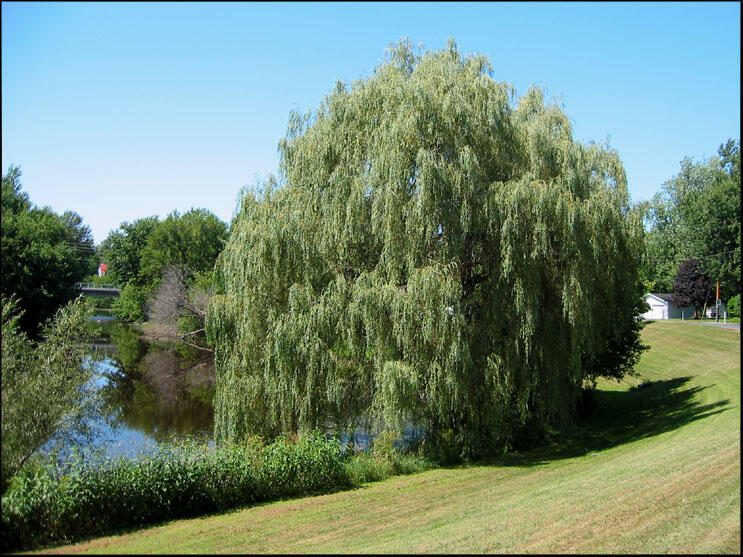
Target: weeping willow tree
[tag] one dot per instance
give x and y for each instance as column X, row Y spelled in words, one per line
column 437, row 252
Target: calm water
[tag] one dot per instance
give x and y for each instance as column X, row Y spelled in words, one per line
column 149, row 391
column 153, row 391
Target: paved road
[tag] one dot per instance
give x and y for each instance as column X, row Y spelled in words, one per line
column 735, row 326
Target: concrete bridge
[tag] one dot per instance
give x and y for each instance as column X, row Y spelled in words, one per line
column 93, row 290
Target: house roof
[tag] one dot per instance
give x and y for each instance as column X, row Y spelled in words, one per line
column 664, row 296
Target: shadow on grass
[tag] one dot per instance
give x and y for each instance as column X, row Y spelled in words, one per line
column 614, row 418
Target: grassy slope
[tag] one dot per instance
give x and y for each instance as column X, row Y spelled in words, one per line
column 654, row 470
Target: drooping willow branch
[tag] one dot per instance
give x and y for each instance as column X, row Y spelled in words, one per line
column 439, row 255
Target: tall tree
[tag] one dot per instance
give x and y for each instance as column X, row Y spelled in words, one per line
column 691, row 287
column 435, row 256
column 43, row 254
column 122, row 249
column 192, row 240
column 139, row 252
column 697, row 215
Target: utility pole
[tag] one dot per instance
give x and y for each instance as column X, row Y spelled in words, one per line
column 717, row 302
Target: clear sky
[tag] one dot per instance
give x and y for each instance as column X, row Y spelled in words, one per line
column 124, row 110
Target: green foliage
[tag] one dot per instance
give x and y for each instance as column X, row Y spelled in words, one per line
column 130, row 305
column 108, row 278
column 697, row 215
column 43, row 254
column 691, row 287
column 43, row 383
column 14, row 201
column 189, row 323
column 435, row 256
column 204, row 281
column 99, row 304
column 138, row 253
column 192, row 240
column 384, row 444
column 363, row 466
column 92, row 496
column 79, row 237
column 733, row 306
column 122, row 250
column 444, row 448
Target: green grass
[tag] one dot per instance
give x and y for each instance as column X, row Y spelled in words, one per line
column 652, row 470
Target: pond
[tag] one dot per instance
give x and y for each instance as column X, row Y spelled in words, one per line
column 150, row 391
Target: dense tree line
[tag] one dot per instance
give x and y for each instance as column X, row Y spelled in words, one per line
column 438, row 253
column 696, row 217
column 140, row 252
column 43, row 254
column 43, row 376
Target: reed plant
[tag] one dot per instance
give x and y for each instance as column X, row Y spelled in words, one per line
column 83, row 496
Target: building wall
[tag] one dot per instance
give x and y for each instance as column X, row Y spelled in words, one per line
column 658, row 308
column 675, row 312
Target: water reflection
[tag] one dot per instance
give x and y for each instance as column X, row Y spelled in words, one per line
column 150, row 391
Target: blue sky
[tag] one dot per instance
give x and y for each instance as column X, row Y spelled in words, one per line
column 124, row 110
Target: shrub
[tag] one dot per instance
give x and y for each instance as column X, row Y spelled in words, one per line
column 43, row 384
column 376, row 465
column 130, row 303
column 733, row 306
column 364, row 467
column 65, row 500
column 384, row 445
column 91, row 496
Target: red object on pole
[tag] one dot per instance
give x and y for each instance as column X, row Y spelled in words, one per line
column 718, row 292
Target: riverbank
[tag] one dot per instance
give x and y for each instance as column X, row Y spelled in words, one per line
column 152, row 332
column 652, row 470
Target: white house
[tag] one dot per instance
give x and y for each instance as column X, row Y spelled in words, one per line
column 662, row 308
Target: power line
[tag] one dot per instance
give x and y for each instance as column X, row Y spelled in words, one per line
column 700, row 257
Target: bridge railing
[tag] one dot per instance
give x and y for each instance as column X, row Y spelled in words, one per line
column 93, row 285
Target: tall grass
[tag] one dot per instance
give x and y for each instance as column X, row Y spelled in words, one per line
column 82, row 497
column 650, row 470
column 78, row 498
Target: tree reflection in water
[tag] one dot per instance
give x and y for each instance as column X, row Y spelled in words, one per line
column 159, row 389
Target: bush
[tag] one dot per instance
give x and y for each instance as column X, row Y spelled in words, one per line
column 87, row 497
column 79, row 497
column 130, row 303
column 733, row 306
column 374, row 466
column 44, row 384
column 384, row 445
column 364, row 467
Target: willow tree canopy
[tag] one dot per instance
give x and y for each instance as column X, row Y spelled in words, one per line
column 438, row 253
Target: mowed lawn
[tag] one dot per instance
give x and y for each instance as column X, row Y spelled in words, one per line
column 652, row 470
